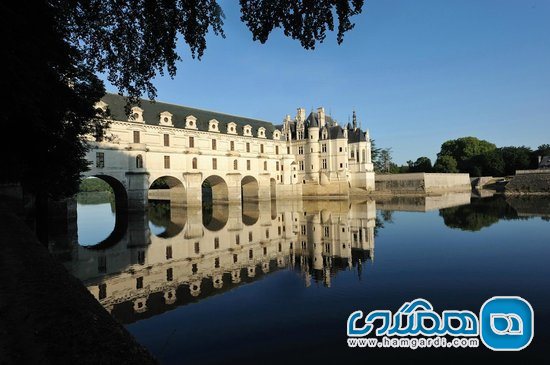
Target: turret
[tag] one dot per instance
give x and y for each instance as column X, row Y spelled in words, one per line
column 301, row 115
column 321, row 116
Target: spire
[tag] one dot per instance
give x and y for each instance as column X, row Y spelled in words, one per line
column 354, row 120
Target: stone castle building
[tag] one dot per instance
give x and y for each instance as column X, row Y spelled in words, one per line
column 235, row 157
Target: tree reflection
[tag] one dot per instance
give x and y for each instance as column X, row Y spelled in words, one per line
column 480, row 213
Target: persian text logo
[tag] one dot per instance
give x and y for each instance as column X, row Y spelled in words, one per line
column 504, row 323
column 507, row 323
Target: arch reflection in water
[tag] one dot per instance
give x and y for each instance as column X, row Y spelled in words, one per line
column 316, row 239
column 104, row 204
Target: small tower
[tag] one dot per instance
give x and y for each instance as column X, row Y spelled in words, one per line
column 354, row 118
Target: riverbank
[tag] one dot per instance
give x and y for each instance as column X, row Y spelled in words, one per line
column 47, row 315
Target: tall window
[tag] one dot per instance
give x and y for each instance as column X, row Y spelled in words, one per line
column 276, row 150
column 136, row 137
column 261, row 148
column 214, row 163
column 195, row 163
column 168, row 252
column 247, row 146
column 249, row 236
column 139, row 282
column 197, row 247
column 301, row 150
column 324, row 147
column 100, row 160
column 166, row 162
column 324, row 163
column 235, row 165
column 265, row 165
column 191, row 142
column 214, row 144
column 216, row 243
column 301, row 165
column 288, row 150
column 166, row 139
column 276, row 165
column 232, row 146
column 248, row 164
column 169, row 274
column 139, row 161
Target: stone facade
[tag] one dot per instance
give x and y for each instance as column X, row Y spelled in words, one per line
column 236, row 157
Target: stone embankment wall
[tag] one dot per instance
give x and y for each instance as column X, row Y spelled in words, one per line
column 422, row 183
column 529, row 182
column 46, row 315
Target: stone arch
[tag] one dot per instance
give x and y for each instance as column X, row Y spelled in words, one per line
column 121, row 213
column 167, row 187
column 214, row 188
column 249, row 188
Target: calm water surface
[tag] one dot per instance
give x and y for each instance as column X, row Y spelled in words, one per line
column 274, row 282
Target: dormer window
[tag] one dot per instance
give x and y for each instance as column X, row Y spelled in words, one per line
column 232, row 128
column 213, row 126
column 166, row 119
column 190, row 122
column 276, row 135
column 136, row 114
column 101, row 106
column 247, row 130
column 261, row 132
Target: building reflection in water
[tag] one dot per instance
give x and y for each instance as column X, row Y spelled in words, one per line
column 174, row 256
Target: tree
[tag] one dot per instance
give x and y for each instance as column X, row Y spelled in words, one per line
column 489, row 163
column 445, row 164
column 515, row 158
column 385, row 160
column 463, row 149
column 422, row 164
column 54, row 49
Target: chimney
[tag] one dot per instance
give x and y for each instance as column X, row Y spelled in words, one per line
column 301, row 114
column 321, row 115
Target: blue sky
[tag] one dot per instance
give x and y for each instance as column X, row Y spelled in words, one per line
column 417, row 73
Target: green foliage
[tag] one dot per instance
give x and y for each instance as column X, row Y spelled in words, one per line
column 487, row 164
column 160, row 183
column 422, row 164
column 306, row 21
column 445, row 164
column 515, row 158
column 463, row 150
column 94, row 185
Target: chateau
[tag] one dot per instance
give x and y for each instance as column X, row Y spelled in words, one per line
column 234, row 157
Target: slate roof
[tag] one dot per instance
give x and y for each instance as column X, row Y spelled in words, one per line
column 356, row 135
column 152, row 110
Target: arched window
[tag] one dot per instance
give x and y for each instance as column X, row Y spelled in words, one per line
column 139, row 162
column 194, row 163
column 235, row 165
